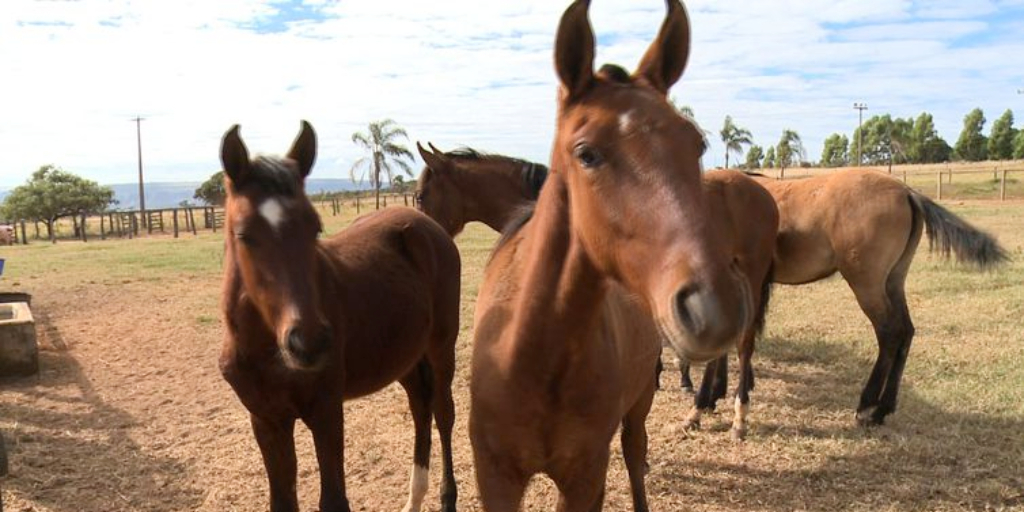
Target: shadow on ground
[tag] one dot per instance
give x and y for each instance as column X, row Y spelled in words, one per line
column 69, row 450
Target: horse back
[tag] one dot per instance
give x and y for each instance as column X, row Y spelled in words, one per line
column 398, row 279
column 832, row 221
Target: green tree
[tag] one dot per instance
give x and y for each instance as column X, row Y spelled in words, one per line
column 211, row 191
column 1018, row 145
column 836, row 151
column 754, row 156
column 734, row 138
column 789, row 151
column 380, row 140
column 886, row 140
column 972, row 145
column 769, row 158
column 51, row 193
column 1000, row 141
column 926, row 146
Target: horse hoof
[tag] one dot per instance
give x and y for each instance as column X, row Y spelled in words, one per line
column 870, row 417
column 688, row 390
column 739, row 434
column 691, row 425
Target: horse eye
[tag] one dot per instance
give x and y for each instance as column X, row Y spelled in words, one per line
column 245, row 239
column 587, row 156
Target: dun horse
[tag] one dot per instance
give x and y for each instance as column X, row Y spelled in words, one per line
column 620, row 248
column 310, row 323
column 462, row 186
column 866, row 226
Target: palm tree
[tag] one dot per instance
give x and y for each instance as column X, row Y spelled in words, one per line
column 734, row 138
column 790, row 146
column 379, row 141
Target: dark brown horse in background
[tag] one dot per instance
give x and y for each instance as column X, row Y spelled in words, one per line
column 464, row 185
column 866, row 226
column 620, row 248
column 310, row 323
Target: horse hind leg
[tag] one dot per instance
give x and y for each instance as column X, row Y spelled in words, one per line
column 442, row 362
column 418, row 387
column 901, row 329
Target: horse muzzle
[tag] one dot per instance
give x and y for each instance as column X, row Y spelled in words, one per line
column 303, row 351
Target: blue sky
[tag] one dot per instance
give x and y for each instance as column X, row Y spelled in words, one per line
column 455, row 72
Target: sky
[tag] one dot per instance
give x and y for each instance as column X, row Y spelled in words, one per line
column 462, row 72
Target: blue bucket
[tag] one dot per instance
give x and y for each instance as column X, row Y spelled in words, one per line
column 1, row 266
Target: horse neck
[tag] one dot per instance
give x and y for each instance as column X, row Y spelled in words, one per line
column 561, row 289
column 493, row 192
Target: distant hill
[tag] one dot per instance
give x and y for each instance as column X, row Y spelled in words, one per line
column 169, row 195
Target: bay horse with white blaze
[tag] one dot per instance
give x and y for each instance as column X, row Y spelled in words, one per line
column 866, row 226
column 620, row 248
column 311, row 323
column 464, row 185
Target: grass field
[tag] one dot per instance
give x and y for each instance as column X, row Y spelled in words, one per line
column 130, row 413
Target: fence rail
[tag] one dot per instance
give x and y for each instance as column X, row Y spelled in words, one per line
column 175, row 222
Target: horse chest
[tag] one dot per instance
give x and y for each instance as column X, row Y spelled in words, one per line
column 268, row 389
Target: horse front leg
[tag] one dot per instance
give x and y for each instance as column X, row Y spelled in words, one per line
column 276, row 439
column 743, row 387
column 328, row 428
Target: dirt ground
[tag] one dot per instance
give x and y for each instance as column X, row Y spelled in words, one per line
column 130, row 412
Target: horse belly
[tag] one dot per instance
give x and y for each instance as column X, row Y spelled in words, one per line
column 802, row 257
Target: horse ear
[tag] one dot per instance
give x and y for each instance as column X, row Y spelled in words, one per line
column 434, row 159
column 666, row 58
column 303, row 150
column 574, row 50
column 234, row 156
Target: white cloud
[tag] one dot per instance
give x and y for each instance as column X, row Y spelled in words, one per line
column 458, row 72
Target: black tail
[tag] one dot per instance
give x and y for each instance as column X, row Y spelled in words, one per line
column 949, row 234
column 766, row 297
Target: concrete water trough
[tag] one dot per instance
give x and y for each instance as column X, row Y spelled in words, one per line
column 19, row 353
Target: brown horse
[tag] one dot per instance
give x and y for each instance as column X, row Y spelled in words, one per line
column 463, row 186
column 311, row 323
column 866, row 226
column 620, row 248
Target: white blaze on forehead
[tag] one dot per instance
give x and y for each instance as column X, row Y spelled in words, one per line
column 273, row 212
column 626, row 120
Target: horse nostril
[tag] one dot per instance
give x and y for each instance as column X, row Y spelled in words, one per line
column 689, row 310
column 298, row 347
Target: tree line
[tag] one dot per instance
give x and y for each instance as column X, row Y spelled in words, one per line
column 881, row 140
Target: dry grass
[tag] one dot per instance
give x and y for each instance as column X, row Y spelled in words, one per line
column 130, row 412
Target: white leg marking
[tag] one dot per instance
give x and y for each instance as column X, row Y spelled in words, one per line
column 273, row 212
column 419, row 479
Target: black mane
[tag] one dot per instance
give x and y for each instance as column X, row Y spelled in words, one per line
column 532, row 173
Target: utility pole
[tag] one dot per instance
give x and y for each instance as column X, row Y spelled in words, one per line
column 142, row 191
column 861, row 107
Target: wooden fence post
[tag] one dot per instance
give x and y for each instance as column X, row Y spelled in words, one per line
column 103, row 233
column 174, row 212
column 1002, row 187
column 192, row 220
column 357, row 204
column 938, row 189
